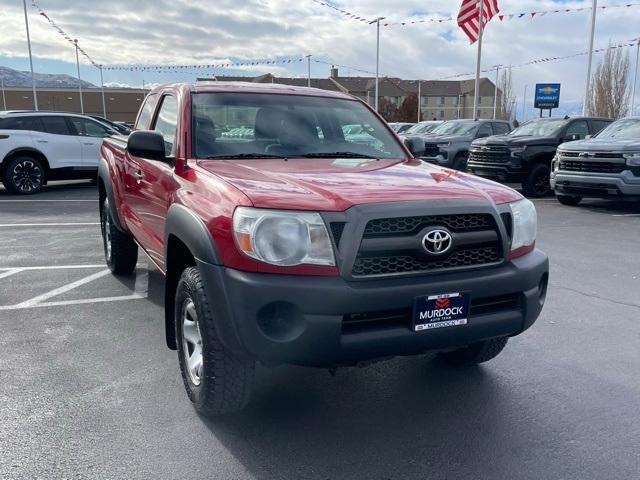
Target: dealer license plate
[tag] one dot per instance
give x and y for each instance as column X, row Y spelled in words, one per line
column 438, row 311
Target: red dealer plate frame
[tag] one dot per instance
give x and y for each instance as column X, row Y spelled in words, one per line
column 440, row 311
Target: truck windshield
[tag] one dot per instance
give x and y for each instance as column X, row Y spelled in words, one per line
column 539, row 128
column 423, row 128
column 267, row 125
column 627, row 128
column 455, row 128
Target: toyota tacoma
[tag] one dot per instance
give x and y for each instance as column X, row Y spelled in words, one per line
column 294, row 244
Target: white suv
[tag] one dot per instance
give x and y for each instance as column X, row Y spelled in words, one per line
column 39, row 146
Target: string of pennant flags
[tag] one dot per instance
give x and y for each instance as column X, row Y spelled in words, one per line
column 630, row 43
column 207, row 66
column 502, row 17
column 64, row 34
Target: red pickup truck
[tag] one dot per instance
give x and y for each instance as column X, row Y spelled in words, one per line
column 284, row 238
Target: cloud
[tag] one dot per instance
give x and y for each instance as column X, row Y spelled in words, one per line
column 186, row 32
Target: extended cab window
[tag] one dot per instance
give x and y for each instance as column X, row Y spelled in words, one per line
column 146, row 112
column 167, row 123
column 500, row 128
column 275, row 125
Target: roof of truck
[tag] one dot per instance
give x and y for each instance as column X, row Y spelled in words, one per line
column 212, row 86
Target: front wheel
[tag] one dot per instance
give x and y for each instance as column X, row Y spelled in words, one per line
column 569, row 200
column 475, row 353
column 537, row 183
column 460, row 162
column 217, row 381
column 24, row 176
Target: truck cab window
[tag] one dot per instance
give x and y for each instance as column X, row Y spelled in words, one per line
column 167, row 124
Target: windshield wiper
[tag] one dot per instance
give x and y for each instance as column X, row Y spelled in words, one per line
column 243, row 155
column 336, row 155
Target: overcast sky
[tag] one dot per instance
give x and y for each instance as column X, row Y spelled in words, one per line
column 188, row 32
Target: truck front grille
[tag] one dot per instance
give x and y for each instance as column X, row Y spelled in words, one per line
column 489, row 154
column 592, row 167
column 431, row 150
column 392, row 246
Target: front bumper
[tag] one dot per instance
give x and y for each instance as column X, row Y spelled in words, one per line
column 309, row 320
column 595, row 185
column 502, row 172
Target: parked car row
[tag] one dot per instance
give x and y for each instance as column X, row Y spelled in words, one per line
column 36, row 147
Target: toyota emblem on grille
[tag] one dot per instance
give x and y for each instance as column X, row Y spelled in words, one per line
column 437, row 241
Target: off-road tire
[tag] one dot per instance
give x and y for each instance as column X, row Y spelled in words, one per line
column 475, row 353
column 24, row 175
column 569, row 200
column 225, row 379
column 537, row 185
column 122, row 255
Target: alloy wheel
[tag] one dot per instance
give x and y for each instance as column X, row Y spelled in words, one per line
column 191, row 341
column 27, row 176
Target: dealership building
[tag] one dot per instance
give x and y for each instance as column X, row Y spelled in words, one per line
column 439, row 99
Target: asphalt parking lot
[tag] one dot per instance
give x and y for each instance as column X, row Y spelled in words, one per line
column 89, row 390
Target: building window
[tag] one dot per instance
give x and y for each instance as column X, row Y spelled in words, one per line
column 441, row 103
column 456, row 101
column 424, row 100
column 441, row 114
column 479, row 100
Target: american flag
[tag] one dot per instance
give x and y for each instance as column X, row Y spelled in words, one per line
column 468, row 18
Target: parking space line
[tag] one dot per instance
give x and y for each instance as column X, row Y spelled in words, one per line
column 52, row 267
column 45, row 201
column 73, row 224
column 626, row 215
column 140, row 289
column 65, row 288
column 9, row 272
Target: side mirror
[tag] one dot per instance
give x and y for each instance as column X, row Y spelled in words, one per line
column 571, row 138
column 587, row 137
column 415, row 146
column 146, row 144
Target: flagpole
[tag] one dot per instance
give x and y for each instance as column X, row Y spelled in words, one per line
column 308, row 70
column 33, row 77
column 635, row 80
column 593, row 31
column 4, row 98
column 476, row 91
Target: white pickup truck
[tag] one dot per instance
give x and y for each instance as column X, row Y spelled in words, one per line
column 36, row 147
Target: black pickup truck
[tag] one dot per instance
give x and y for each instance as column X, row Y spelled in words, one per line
column 525, row 154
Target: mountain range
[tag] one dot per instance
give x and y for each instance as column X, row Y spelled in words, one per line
column 17, row 78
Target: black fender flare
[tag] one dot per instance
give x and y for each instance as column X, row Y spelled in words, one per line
column 186, row 226
column 191, row 230
column 105, row 177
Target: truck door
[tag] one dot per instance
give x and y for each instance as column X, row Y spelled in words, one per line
column 148, row 183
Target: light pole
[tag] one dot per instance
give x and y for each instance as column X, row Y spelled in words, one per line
column 377, row 22
column 308, row 70
column 495, row 93
column 524, row 104
column 593, row 30
column 75, row 42
column 419, row 99
column 104, row 104
column 33, row 77
column 635, row 79
column 4, row 99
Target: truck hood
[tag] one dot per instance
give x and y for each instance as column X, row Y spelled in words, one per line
column 602, row 145
column 338, row 184
column 446, row 138
column 515, row 141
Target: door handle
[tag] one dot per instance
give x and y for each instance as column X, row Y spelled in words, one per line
column 138, row 176
column 87, row 143
column 42, row 141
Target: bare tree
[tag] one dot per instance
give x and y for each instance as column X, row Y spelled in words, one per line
column 506, row 98
column 609, row 95
column 408, row 111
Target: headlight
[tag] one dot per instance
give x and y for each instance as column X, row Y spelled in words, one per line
column 633, row 159
column 281, row 237
column 516, row 152
column 443, row 145
column 525, row 224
